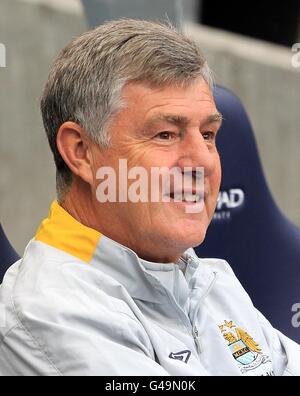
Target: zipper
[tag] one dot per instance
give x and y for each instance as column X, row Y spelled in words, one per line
column 193, row 330
column 204, row 296
column 196, row 335
column 197, row 340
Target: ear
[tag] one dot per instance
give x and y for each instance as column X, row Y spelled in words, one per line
column 72, row 144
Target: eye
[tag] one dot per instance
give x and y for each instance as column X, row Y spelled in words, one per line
column 210, row 136
column 166, row 136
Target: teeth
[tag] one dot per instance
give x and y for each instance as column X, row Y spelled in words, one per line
column 189, row 197
column 186, row 197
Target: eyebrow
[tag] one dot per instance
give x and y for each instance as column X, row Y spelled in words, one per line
column 217, row 117
column 183, row 121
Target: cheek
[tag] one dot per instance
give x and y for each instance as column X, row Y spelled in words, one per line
column 217, row 181
column 217, row 175
column 215, row 184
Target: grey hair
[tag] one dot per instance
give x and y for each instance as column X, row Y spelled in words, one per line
column 86, row 81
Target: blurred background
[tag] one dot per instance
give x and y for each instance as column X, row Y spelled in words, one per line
column 248, row 45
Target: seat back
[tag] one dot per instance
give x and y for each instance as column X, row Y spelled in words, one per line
column 249, row 231
column 8, row 256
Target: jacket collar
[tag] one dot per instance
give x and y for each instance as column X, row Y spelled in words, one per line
column 61, row 231
column 136, row 275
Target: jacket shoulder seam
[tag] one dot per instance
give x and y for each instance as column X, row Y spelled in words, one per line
column 39, row 347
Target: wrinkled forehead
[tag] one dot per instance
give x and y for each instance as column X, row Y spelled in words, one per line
column 174, row 103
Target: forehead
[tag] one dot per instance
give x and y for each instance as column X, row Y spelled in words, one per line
column 148, row 102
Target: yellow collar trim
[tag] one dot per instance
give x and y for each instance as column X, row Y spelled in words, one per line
column 61, row 231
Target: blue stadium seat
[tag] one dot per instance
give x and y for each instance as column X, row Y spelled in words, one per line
column 249, row 230
column 7, row 254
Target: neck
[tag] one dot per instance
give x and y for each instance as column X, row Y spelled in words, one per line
column 80, row 206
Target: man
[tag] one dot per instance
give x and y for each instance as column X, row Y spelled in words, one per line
column 110, row 284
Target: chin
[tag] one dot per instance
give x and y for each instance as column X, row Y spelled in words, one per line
column 198, row 239
column 189, row 236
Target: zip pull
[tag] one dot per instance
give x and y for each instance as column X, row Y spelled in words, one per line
column 197, row 340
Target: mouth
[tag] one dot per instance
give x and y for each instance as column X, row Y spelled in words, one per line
column 186, row 197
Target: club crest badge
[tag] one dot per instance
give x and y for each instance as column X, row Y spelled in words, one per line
column 243, row 347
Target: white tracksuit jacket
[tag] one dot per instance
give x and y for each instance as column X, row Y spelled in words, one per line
column 79, row 303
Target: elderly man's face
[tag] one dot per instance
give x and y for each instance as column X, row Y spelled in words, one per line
column 168, row 127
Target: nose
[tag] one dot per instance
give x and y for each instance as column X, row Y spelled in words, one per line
column 195, row 152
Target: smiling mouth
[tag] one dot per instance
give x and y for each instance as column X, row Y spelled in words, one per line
column 186, row 197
